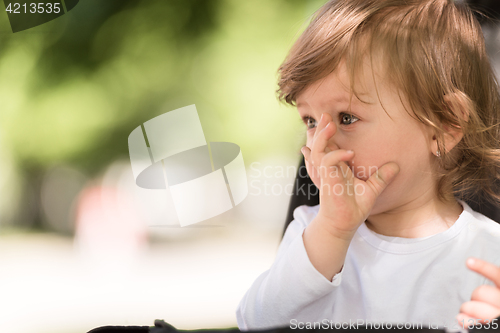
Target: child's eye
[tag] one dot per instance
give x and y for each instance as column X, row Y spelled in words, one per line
column 310, row 122
column 347, row 119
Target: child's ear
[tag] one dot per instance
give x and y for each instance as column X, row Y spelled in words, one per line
column 456, row 104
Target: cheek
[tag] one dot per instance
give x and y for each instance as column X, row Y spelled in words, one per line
column 364, row 165
column 369, row 156
column 363, row 172
column 410, row 154
column 373, row 154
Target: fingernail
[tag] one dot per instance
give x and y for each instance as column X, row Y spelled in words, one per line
column 350, row 151
column 471, row 262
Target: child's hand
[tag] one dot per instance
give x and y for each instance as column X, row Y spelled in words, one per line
column 345, row 201
column 485, row 300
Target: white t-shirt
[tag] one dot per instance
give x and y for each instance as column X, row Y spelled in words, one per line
column 421, row 281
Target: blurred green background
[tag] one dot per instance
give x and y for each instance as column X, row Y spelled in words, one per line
column 72, row 90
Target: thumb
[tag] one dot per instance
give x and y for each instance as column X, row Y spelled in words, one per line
column 379, row 180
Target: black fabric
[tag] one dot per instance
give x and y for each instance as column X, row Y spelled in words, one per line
column 163, row 327
column 485, row 207
column 490, row 8
column 120, row 329
column 304, row 192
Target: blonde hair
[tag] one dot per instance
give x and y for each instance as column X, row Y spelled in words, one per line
column 431, row 48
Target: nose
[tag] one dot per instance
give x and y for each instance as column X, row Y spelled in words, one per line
column 332, row 141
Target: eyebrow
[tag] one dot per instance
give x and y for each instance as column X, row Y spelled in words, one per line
column 336, row 99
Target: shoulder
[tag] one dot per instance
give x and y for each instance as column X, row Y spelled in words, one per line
column 302, row 216
column 481, row 224
column 483, row 231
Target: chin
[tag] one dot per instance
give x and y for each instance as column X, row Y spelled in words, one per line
column 376, row 209
column 385, row 202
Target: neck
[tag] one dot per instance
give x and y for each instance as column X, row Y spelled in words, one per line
column 419, row 218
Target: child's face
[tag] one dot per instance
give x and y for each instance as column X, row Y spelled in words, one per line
column 375, row 138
